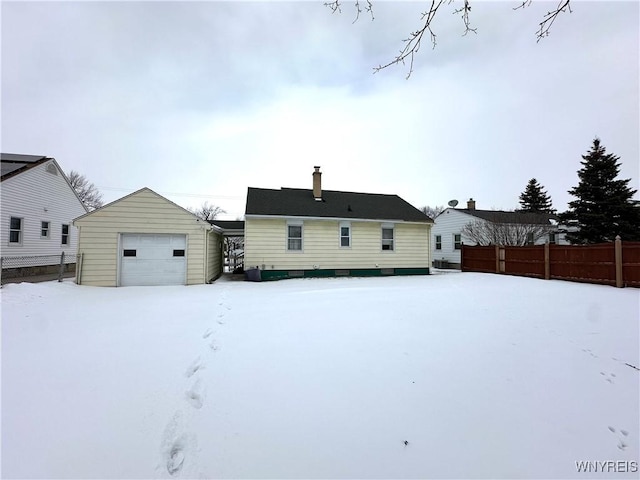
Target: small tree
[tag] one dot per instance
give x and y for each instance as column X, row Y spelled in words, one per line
column 534, row 199
column 87, row 192
column 432, row 212
column 206, row 211
column 604, row 206
column 486, row 232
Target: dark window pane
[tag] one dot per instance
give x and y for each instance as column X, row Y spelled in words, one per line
column 129, row 253
column 65, row 229
column 14, row 237
column 178, row 253
column 16, row 223
column 295, row 231
column 344, row 241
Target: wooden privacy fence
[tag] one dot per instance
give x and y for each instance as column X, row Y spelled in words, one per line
column 615, row 263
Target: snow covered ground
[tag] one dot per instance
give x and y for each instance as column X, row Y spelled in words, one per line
column 455, row 375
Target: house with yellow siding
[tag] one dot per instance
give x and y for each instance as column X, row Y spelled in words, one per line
column 145, row 239
column 294, row 232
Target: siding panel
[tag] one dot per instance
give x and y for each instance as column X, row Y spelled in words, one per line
column 265, row 246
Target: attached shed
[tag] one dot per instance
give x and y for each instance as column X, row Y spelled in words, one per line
column 145, row 239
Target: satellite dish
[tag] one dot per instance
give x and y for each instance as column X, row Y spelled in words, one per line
column 453, row 203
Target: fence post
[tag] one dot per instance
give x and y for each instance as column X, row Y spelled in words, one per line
column 547, row 266
column 61, row 267
column 497, row 259
column 618, row 254
column 462, row 256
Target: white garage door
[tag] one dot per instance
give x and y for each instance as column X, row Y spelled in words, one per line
column 150, row 259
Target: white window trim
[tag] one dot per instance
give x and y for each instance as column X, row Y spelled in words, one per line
column 388, row 226
column 454, row 241
column 21, row 234
column 340, row 237
column 48, row 236
column 294, row 223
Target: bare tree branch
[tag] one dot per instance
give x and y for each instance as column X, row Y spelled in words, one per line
column 413, row 42
column 484, row 232
column 206, row 211
column 432, row 212
column 549, row 18
column 87, row 192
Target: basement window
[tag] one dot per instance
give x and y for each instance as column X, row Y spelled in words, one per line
column 129, row 253
column 178, row 253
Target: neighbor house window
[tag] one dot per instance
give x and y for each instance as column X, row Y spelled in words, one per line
column 178, row 253
column 530, row 239
column 15, row 230
column 552, row 238
column 294, row 237
column 457, row 241
column 387, row 237
column 65, row 234
column 129, row 253
column 345, row 234
column 438, row 242
column 44, row 229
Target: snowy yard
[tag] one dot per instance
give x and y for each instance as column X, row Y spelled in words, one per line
column 456, row 375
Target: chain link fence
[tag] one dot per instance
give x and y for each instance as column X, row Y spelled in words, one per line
column 26, row 266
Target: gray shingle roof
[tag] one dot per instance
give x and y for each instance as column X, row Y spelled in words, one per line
column 498, row 216
column 14, row 163
column 296, row 202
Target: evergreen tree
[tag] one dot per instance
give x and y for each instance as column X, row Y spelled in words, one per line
column 534, row 199
column 604, row 206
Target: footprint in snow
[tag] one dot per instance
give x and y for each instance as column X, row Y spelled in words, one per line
column 194, row 367
column 207, row 334
column 176, row 459
column 609, row 378
column 622, row 445
column 194, row 395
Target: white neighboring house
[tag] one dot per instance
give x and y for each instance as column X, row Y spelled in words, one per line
column 37, row 210
column 447, row 236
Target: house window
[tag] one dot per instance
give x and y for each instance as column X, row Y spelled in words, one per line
column 44, row 229
column 438, row 242
column 178, row 253
column 345, row 234
column 552, row 238
column 15, row 230
column 457, row 241
column 530, row 239
column 387, row 237
column 65, row 234
column 294, row 238
column 129, row 253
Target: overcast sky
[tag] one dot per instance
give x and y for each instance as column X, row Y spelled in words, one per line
column 199, row 101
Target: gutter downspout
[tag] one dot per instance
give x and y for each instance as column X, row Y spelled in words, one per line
column 206, row 255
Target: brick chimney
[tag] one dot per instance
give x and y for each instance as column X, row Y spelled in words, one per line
column 471, row 204
column 317, row 184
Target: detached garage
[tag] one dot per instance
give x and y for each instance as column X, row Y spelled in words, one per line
column 145, row 239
